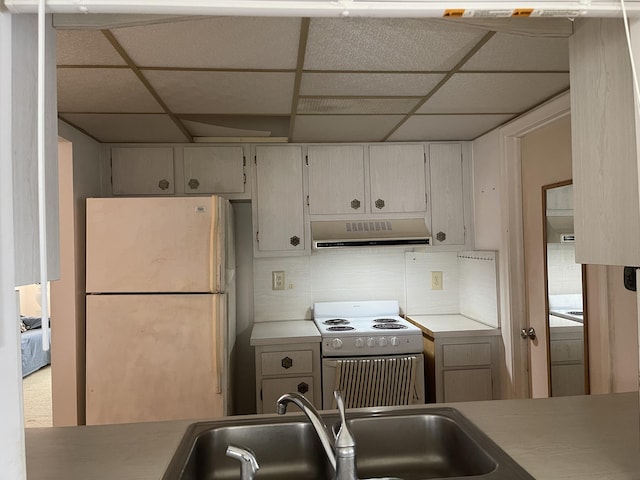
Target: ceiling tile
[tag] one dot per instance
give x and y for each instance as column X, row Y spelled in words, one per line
column 85, row 47
column 224, row 92
column 516, row 52
column 343, row 128
column 368, row 84
column 271, row 125
column 446, row 127
column 218, row 42
column 495, row 92
column 366, row 106
column 103, row 90
column 389, row 44
column 198, row 129
column 115, row 128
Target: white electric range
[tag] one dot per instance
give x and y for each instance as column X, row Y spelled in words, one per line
column 370, row 353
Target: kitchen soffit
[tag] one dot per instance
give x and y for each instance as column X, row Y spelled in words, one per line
column 311, row 80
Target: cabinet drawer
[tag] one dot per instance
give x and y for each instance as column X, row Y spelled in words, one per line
column 274, row 388
column 294, row 362
column 466, row 355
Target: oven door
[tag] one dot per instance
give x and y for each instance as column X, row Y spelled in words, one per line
column 373, row 381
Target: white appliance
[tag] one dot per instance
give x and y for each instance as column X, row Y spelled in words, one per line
column 160, row 324
column 370, row 353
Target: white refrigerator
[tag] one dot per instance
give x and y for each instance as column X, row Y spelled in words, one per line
column 160, row 324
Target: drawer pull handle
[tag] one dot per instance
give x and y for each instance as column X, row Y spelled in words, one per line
column 303, row 388
column 287, row 363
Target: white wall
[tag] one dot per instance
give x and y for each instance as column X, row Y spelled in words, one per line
column 486, row 191
column 80, row 177
column 377, row 274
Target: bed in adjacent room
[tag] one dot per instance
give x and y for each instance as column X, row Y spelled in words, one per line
column 33, row 356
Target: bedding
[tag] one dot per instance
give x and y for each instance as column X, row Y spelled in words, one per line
column 33, row 357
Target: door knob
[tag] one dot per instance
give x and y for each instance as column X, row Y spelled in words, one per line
column 529, row 333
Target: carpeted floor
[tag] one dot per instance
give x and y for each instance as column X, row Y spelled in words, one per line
column 36, row 390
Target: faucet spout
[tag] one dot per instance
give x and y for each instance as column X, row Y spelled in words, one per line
column 314, row 417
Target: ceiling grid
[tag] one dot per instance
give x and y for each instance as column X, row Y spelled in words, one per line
column 307, row 80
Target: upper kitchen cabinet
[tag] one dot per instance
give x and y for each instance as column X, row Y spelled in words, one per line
column 336, row 179
column 604, row 148
column 447, row 196
column 142, row 171
column 397, row 178
column 278, row 206
column 214, row 170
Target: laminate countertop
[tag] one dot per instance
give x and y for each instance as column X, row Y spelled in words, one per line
column 285, row 332
column 451, row 325
column 585, row 437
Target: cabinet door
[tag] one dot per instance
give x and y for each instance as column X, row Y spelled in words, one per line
column 279, row 199
column 214, row 169
column 467, row 385
column 447, row 211
column 273, row 388
column 604, row 145
column 397, row 177
column 336, row 179
column 142, row 171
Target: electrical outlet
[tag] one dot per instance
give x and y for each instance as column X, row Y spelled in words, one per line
column 277, row 280
column 436, row 280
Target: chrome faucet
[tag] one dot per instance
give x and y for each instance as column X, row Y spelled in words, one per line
column 248, row 463
column 343, row 459
column 314, row 417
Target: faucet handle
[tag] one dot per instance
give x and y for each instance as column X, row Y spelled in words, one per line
column 248, row 463
column 344, row 437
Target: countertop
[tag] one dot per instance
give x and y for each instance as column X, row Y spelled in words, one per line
column 285, row 332
column 560, row 322
column 584, row 437
column 451, row 325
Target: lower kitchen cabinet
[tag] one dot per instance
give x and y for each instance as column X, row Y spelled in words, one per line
column 283, row 366
column 566, row 346
column 461, row 369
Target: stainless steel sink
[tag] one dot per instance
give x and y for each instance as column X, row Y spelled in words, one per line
column 289, row 450
column 422, row 443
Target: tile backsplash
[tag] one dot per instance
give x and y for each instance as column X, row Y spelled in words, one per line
column 377, row 274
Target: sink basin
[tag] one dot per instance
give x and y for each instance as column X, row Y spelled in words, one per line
column 412, row 444
column 289, row 450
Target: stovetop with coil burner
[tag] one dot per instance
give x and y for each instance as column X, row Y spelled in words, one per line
column 365, row 329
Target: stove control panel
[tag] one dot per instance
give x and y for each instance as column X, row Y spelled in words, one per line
column 371, row 345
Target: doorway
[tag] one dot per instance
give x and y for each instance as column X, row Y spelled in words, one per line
column 546, row 160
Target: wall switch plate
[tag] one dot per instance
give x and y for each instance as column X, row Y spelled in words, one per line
column 436, row 280
column 277, row 280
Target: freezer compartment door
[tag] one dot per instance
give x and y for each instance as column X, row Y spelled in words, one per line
column 155, row 357
column 156, row 244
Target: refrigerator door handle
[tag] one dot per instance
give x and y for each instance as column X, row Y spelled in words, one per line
column 219, row 343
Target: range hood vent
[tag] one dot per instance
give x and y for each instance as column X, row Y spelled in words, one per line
column 368, row 233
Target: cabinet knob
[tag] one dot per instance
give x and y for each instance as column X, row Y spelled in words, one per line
column 163, row 184
column 441, row 236
column 193, row 184
column 303, row 388
column 379, row 204
column 295, row 240
column 355, row 204
column 529, row 333
column 286, row 363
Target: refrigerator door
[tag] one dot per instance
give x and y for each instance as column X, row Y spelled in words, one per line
column 155, row 357
column 156, row 244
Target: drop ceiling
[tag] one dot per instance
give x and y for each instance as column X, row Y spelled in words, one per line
column 306, row 80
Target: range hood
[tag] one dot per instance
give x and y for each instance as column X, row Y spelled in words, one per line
column 367, row 233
